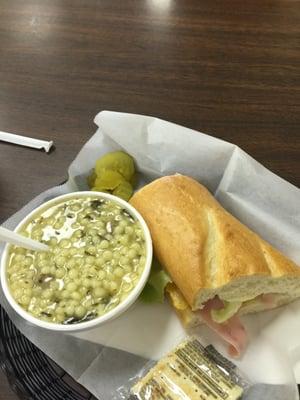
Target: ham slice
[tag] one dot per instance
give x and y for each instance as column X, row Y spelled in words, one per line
column 268, row 299
column 232, row 331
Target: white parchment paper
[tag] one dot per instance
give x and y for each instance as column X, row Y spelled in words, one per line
column 105, row 358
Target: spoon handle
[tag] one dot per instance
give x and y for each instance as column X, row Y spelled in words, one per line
column 14, row 238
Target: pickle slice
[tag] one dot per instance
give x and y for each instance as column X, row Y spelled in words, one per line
column 109, row 179
column 116, row 161
column 91, row 179
column 124, row 190
column 95, row 189
column 228, row 311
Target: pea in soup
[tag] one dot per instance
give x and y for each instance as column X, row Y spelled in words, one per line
column 97, row 255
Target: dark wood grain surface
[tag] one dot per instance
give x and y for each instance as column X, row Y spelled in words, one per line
column 231, row 69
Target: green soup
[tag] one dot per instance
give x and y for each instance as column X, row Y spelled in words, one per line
column 97, row 255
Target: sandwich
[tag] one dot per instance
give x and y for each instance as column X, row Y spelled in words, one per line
column 220, row 269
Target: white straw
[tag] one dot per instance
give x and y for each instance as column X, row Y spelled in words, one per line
column 22, row 241
column 25, row 141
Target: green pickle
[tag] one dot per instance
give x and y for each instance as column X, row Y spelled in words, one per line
column 124, row 190
column 114, row 173
column 228, row 311
column 109, row 179
column 96, row 189
column 117, row 161
column 91, row 179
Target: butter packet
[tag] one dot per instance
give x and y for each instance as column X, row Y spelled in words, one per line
column 189, row 372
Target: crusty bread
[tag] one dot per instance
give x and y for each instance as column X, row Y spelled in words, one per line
column 206, row 250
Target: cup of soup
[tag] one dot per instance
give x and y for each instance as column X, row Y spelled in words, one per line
column 99, row 260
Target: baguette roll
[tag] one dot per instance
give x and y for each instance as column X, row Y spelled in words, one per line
column 208, row 252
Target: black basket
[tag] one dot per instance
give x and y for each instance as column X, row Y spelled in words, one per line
column 32, row 375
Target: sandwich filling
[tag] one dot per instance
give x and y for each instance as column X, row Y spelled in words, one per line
column 221, row 317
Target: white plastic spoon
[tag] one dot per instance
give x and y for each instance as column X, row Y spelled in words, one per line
column 14, row 238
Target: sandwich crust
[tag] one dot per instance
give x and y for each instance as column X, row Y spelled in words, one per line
column 203, row 247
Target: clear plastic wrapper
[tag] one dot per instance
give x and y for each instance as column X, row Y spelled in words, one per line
column 191, row 371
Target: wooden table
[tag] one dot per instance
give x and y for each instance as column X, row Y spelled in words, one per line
column 231, row 69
